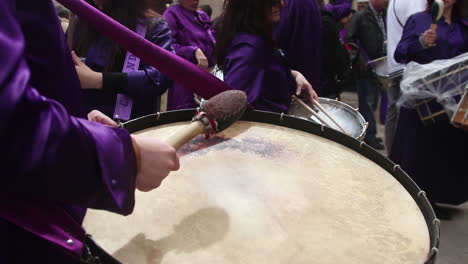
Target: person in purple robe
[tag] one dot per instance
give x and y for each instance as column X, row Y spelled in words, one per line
column 54, row 162
column 101, row 75
column 250, row 60
column 193, row 39
column 339, row 8
column 429, row 154
column 298, row 35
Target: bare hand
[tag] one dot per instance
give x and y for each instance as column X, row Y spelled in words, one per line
column 156, row 160
column 201, row 59
column 89, row 79
column 101, row 118
column 303, row 84
column 429, row 38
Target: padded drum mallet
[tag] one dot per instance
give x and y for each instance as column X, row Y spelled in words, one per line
column 214, row 116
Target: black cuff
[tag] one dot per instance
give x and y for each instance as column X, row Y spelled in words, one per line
column 115, row 82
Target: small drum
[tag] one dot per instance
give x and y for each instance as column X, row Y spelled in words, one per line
column 272, row 189
column 460, row 117
column 430, row 111
column 348, row 117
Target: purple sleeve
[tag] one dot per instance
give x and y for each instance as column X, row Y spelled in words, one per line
column 339, row 11
column 48, row 152
column 244, row 70
column 410, row 48
column 149, row 81
column 186, row 52
column 298, row 34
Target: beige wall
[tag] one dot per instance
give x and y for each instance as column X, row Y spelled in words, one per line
column 216, row 5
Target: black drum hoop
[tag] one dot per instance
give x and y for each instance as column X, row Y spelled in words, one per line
column 287, row 121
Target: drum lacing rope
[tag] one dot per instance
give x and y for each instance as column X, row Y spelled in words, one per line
column 211, row 127
column 423, row 193
column 281, row 116
column 396, row 167
column 436, row 222
column 158, row 115
column 362, row 143
column 323, row 128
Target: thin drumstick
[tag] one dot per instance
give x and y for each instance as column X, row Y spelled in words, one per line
column 71, row 30
column 377, row 60
column 311, row 111
column 329, row 116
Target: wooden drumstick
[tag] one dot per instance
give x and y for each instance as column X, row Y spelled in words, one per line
column 215, row 115
column 316, row 103
column 311, row 111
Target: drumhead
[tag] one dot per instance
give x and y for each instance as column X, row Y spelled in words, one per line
column 272, row 189
column 349, row 118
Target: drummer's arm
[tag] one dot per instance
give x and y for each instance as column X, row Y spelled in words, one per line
column 46, row 151
column 410, row 48
column 244, row 71
column 147, row 81
column 182, row 50
column 144, row 82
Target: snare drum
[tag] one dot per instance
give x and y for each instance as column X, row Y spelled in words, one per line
column 348, row 117
column 272, row 189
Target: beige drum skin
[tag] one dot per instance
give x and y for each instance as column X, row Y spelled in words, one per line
column 260, row 193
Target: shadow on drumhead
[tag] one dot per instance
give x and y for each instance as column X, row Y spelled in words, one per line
column 196, row 231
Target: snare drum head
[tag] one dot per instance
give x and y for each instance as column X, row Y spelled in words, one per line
column 350, row 119
column 261, row 193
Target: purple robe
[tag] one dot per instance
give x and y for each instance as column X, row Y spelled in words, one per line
column 253, row 66
column 299, row 35
column 144, row 86
column 339, row 10
column 190, row 31
column 431, row 155
column 451, row 40
column 54, row 163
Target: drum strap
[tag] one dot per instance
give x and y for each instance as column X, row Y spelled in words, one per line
column 124, row 103
column 396, row 15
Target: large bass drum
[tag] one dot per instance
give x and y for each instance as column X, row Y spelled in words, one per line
column 272, row 189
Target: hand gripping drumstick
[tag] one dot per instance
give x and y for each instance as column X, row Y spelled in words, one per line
column 171, row 65
column 311, row 111
column 215, row 115
column 316, row 103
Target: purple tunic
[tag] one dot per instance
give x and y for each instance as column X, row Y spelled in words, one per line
column 451, row 40
column 256, row 68
column 340, row 10
column 190, row 31
column 144, row 86
column 299, row 35
column 430, row 154
column 54, row 163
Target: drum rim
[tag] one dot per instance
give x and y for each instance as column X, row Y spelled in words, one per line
column 287, row 121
